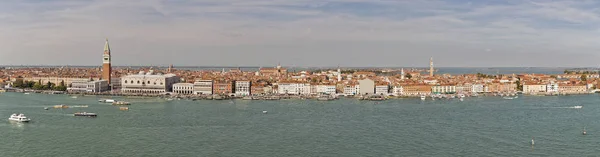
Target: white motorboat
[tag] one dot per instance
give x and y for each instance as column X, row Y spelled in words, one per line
column 265, row 112
column 107, row 101
column 423, row 97
column 577, row 106
column 26, row 93
column 18, row 118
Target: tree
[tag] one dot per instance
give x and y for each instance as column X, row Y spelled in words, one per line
column 408, row 76
column 583, row 77
column 49, row 85
column 18, row 83
column 38, row 86
column 519, row 85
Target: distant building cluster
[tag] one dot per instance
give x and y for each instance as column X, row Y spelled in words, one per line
column 281, row 81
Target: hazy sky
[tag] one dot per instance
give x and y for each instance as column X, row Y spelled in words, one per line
column 301, row 32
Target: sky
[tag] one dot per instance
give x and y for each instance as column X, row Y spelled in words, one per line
column 347, row 33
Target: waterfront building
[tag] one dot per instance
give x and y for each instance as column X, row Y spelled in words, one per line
column 350, row 89
column 257, row 88
column 305, row 89
column 478, row 88
column 533, row 88
column 203, row 87
column 325, row 89
column 572, row 89
column 382, row 89
column 443, row 89
column 106, row 67
column 497, row 87
column 416, row 90
column 242, row 88
column 78, row 87
column 57, row 80
column 183, row 88
column 115, row 83
column 398, row 90
column 98, row 86
column 223, row 87
column 286, row 87
column 148, row 83
column 552, row 87
column 464, row 88
column 366, row 86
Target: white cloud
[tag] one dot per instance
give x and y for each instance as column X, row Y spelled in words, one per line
column 152, row 27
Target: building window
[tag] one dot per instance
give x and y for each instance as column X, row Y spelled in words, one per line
column 138, row 82
column 148, row 82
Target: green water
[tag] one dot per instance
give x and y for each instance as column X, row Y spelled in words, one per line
column 485, row 126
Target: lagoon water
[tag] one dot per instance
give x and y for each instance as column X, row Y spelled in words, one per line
column 483, row 126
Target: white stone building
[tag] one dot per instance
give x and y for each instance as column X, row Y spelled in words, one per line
column 382, row 89
column 551, row 87
column 183, row 88
column 350, row 90
column 98, row 86
column 398, row 90
column 242, row 88
column 148, row 83
column 325, row 89
column 204, row 87
column 478, row 88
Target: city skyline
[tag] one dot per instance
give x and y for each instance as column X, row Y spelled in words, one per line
column 302, row 33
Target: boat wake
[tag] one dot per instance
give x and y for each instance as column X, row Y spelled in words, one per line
column 577, row 107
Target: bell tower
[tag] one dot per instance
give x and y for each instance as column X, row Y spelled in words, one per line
column 106, row 68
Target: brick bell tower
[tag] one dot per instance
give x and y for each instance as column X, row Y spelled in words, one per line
column 106, row 68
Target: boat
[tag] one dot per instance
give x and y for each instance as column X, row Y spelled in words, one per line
column 18, row 118
column 45, row 108
column 324, row 98
column 74, row 97
column 461, row 99
column 577, row 106
column 584, row 132
column 264, row 112
column 121, row 103
column 423, row 97
column 85, row 114
column 532, row 141
column 508, row 98
column 123, row 108
column 376, row 98
column 26, row 93
column 107, row 101
column 61, row 106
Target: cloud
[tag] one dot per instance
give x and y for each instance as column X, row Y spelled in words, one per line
column 263, row 32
